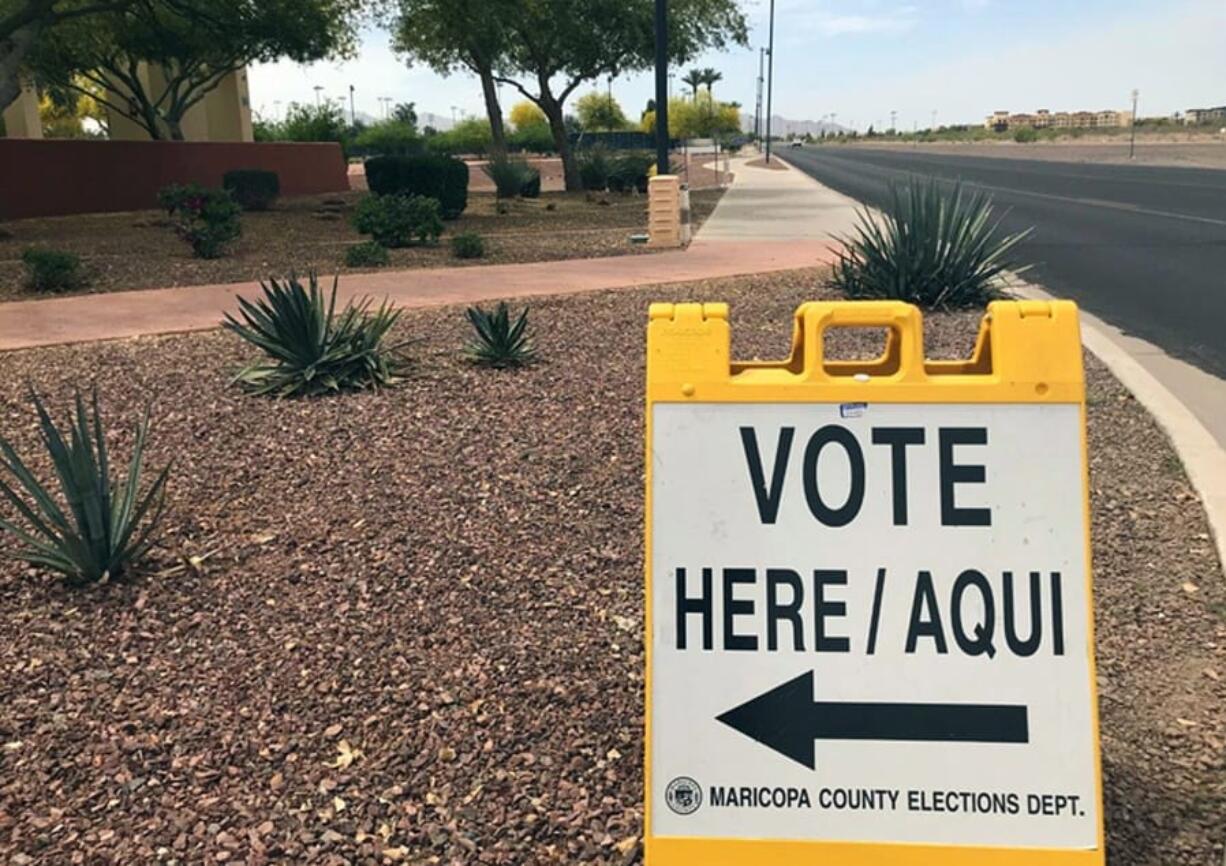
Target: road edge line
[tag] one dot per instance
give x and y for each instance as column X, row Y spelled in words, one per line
column 1203, row 459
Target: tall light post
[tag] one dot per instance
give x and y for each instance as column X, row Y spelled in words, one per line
column 661, row 87
column 770, row 79
column 353, row 114
column 1132, row 138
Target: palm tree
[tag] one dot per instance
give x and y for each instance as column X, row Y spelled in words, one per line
column 695, row 78
column 709, row 77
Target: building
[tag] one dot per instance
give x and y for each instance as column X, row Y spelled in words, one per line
column 1205, row 115
column 224, row 114
column 1002, row 121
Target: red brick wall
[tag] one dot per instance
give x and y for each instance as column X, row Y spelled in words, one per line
column 56, row 177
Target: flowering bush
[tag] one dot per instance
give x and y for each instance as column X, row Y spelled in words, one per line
column 207, row 219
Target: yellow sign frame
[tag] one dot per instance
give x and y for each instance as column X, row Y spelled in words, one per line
column 1025, row 352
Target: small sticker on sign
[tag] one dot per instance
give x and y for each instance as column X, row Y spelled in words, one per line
column 852, row 410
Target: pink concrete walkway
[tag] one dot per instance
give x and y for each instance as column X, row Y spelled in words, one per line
column 26, row 324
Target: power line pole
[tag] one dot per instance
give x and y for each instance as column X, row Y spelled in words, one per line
column 1132, row 138
column 353, row 115
column 662, row 87
column 770, row 80
column 893, row 122
column 757, row 111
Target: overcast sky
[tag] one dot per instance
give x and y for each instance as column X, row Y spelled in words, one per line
column 863, row 58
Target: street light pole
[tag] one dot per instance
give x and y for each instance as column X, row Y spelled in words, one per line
column 353, row 115
column 661, row 87
column 1132, row 138
column 770, row 80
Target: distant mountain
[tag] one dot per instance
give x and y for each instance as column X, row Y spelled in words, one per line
column 784, row 126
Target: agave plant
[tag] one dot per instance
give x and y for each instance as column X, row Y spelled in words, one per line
column 930, row 247
column 499, row 342
column 95, row 529
column 313, row 348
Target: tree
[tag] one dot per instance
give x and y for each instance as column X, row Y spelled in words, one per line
column 155, row 59
column 709, row 77
column 577, row 41
column 694, row 79
column 598, row 110
column 447, row 35
column 23, row 22
column 406, row 113
column 63, row 115
column 525, row 114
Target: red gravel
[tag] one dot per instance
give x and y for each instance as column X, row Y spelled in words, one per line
column 413, row 631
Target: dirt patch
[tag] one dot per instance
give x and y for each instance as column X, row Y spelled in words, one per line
column 417, row 635
column 773, row 165
column 140, row 251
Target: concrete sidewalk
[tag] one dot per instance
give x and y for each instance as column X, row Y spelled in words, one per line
column 781, row 208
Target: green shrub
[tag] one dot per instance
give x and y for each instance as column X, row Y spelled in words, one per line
column 471, row 136
column 311, row 348
column 252, row 188
column 499, row 342
column 629, row 171
column 595, row 166
column 439, row 177
column 174, row 196
column 533, row 138
column 398, row 220
column 52, row 270
column 468, row 245
column 1026, row 135
column 929, row 247
column 513, row 177
column 98, row 526
column 389, row 137
column 368, row 254
column 207, row 219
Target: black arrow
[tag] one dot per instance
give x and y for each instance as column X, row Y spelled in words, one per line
column 788, row 720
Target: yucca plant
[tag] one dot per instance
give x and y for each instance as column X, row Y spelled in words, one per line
column 313, row 348
column 499, row 341
column 929, row 247
column 96, row 528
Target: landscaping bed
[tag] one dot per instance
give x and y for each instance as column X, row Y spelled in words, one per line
column 406, row 626
column 140, row 250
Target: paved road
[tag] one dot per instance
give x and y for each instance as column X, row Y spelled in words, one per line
column 1143, row 247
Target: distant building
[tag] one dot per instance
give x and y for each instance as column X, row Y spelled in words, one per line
column 1204, row 115
column 1044, row 119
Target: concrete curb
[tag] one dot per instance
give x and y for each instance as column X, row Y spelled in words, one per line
column 1202, row 457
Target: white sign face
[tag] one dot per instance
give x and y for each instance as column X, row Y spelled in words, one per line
column 870, row 624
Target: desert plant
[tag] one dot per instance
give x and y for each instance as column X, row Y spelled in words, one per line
column 468, row 245
column 368, row 254
column 52, row 270
column 97, row 527
column 595, row 166
column 207, row 219
column 311, row 348
column 398, row 220
column 439, row 177
column 1026, row 135
column 929, row 247
column 252, row 188
column 512, row 177
column 499, row 341
column 629, row 171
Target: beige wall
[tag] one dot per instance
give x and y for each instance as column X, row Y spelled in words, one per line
column 224, row 114
column 21, row 119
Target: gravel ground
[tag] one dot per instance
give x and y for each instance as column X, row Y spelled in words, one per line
column 416, row 633
column 139, row 251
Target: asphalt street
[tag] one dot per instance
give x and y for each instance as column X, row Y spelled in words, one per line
column 1142, row 247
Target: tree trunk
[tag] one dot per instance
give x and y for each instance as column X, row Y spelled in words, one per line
column 13, row 49
column 493, row 110
column 557, row 126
